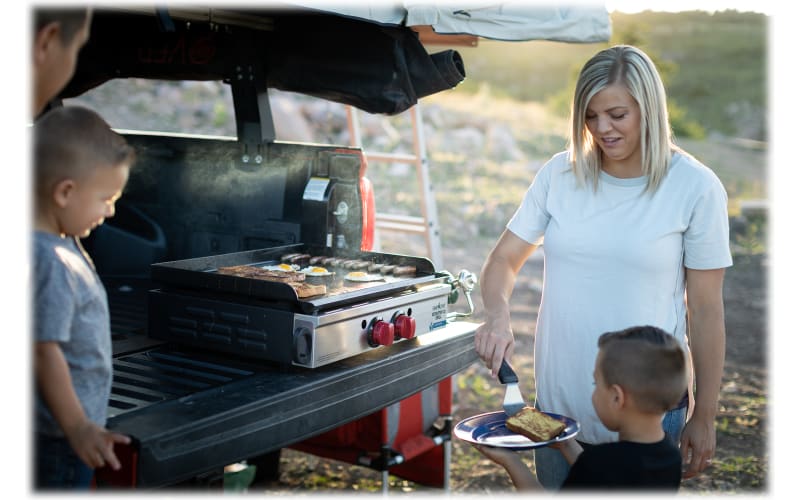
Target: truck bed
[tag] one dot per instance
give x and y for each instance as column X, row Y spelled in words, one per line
column 192, row 411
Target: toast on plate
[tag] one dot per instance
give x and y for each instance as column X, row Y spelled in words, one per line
column 535, row 425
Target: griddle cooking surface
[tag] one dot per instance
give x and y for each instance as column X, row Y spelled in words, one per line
column 201, row 274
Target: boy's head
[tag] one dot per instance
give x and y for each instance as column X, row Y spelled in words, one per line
column 58, row 35
column 646, row 364
column 80, row 169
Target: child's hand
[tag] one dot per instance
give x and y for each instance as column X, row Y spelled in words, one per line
column 569, row 448
column 95, row 445
column 501, row 456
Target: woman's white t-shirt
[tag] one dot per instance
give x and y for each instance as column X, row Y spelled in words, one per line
column 613, row 258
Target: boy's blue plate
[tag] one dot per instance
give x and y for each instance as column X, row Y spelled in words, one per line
column 489, row 429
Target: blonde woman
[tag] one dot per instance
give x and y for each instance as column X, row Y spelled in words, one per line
column 634, row 231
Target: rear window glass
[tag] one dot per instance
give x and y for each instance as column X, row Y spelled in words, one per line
column 189, row 107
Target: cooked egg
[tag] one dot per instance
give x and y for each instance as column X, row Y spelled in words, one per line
column 362, row 276
column 281, row 267
column 315, row 271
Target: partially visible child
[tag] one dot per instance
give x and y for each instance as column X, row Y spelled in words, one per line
column 639, row 374
column 80, row 169
column 58, row 36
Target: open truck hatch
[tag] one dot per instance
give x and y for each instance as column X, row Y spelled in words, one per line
column 211, row 370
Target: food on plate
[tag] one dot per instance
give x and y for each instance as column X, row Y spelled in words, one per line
column 375, row 268
column 254, row 272
column 535, row 425
column 404, row 271
column 362, row 276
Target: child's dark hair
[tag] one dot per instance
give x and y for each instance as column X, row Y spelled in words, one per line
column 71, row 141
column 647, row 362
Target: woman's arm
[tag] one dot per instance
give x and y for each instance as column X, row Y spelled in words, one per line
column 706, row 316
column 494, row 339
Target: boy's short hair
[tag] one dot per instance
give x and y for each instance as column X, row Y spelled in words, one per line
column 647, row 362
column 71, row 20
column 70, row 142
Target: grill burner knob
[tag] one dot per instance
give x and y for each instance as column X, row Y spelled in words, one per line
column 405, row 326
column 380, row 333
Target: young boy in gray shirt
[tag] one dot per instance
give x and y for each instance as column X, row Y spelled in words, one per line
column 80, row 169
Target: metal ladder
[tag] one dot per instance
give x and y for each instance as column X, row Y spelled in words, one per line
column 427, row 223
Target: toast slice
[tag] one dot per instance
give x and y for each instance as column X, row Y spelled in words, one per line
column 246, row 271
column 535, row 425
column 304, row 290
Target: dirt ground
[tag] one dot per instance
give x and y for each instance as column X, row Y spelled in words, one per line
column 740, row 464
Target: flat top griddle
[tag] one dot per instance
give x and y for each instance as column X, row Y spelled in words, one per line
column 200, row 274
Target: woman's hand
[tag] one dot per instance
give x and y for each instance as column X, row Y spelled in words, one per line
column 698, row 445
column 494, row 339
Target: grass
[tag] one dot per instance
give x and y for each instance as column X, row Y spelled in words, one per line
column 749, row 470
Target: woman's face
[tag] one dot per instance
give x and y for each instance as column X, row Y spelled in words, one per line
column 613, row 118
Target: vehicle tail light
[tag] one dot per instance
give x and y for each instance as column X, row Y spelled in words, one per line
column 368, row 214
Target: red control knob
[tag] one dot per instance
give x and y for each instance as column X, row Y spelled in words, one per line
column 382, row 333
column 405, row 326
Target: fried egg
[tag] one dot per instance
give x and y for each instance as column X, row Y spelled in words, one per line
column 315, row 271
column 282, row 267
column 362, row 276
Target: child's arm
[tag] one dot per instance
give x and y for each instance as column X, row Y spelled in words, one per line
column 520, row 474
column 93, row 444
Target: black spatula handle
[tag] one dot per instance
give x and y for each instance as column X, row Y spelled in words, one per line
column 506, row 374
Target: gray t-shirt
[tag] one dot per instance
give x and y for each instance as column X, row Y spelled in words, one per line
column 70, row 307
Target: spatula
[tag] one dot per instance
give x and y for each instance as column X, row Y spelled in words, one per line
column 513, row 402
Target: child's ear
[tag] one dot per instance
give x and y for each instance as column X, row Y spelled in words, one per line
column 618, row 396
column 63, row 191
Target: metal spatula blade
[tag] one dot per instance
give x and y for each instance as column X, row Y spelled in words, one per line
column 513, row 402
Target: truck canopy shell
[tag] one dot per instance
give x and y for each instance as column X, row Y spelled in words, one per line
column 368, row 57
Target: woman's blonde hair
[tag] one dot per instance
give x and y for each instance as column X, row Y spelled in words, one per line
column 632, row 68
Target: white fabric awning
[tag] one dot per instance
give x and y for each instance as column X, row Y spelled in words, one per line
column 511, row 21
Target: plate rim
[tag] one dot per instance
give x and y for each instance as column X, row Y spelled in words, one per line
column 460, row 433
